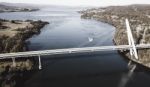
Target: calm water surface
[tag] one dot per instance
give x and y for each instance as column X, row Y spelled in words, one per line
column 67, row 30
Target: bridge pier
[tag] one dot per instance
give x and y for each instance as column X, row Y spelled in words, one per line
column 14, row 62
column 40, row 65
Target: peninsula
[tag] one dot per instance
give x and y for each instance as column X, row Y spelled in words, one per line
column 5, row 8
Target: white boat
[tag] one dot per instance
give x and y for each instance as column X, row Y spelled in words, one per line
column 90, row 39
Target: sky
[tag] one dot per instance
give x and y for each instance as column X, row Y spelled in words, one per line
column 81, row 2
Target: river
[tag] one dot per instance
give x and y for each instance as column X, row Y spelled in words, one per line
column 68, row 30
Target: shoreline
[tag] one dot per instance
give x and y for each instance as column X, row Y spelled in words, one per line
column 30, row 10
column 13, row 34
column 115, row 16
column 11, row 8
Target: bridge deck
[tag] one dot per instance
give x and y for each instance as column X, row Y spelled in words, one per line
column 70, row 50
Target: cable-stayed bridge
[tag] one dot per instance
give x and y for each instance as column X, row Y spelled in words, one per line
column 131, row 47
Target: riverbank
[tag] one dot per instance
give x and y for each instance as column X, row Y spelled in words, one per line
column 13, row 34
column 138, row 15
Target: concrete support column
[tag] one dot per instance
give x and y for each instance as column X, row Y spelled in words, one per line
column 40, row 65
column 14, row 62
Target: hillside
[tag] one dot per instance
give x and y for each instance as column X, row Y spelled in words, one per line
column 139, row 17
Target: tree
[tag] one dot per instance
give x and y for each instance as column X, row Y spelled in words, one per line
column 13, row 21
